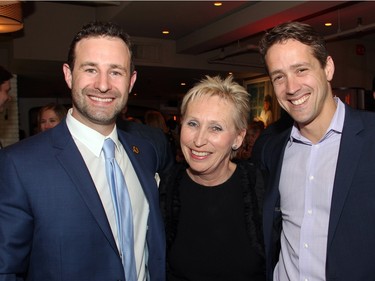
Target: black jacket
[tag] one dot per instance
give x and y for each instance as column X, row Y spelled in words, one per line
column 253, row 189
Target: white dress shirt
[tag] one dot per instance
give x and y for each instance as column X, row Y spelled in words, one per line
column 90, row 144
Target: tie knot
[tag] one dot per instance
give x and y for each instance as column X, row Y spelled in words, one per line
column 109, row 149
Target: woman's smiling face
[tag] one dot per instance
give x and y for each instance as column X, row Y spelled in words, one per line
column 208, row 134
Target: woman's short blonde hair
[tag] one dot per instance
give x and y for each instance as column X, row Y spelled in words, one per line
column 226, row 89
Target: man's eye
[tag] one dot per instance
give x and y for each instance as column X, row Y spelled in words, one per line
column 277, row 78
column 116, row 73
column 90, row 70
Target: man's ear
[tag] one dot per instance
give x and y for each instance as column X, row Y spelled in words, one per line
column 133, row 78
column 67, row 75
column 329, row 69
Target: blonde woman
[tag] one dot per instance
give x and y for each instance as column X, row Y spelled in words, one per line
column 211, row 206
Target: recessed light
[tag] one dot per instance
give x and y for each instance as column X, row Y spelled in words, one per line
column 328, row 24
column 165, row 32
column 218, row 4
column 183, row 84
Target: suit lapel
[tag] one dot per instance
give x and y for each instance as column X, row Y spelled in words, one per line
column 135, row 152
column 274, row 154
column 74, row 165
column 349, row 154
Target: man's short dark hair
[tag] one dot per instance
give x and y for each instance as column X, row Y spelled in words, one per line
column 98, row 29
column 298, row 31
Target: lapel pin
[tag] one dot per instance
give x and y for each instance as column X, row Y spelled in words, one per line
column 135, row 149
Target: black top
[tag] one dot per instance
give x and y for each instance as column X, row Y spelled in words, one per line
column 212, row 242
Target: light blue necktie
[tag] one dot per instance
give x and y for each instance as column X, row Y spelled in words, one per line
column 123, row 210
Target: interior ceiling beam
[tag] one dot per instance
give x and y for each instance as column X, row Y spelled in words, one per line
column 253, row 19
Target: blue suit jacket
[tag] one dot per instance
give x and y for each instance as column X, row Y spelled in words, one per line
column 52, row 222
column 157, row 138
column 351, row 233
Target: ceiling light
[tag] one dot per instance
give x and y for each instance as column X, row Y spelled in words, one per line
column 218, row 4
column 183, row 84
column 328, row 24
column 10, row 16
column 165, row 32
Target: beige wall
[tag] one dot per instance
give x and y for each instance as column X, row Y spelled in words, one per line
column 49, row 31
column 353, row 70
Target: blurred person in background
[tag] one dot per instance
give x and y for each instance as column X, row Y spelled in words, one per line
column 5, row 87
column 254, row 129
column 266, row 114
column 50, row 115
column 155, row 119
column 155, row 136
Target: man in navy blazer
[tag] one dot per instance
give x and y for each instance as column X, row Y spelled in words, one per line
column 319, row 211
column 56, row 213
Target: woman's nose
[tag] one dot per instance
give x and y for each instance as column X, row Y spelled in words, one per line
column 200, row 138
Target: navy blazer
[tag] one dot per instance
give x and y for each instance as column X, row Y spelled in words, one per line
column 157, row 138
column 52, row 222
column 351, row 232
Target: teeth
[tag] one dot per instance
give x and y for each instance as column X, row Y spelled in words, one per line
column 101, row 99
column 201, row 154
column 300, row 101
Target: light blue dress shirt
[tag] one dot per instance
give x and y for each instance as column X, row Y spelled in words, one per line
column 306, row 185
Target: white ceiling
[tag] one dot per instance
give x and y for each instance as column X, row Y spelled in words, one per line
column 198, row 26
column 230, row 32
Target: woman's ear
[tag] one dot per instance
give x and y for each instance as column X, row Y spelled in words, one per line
column 239, row 139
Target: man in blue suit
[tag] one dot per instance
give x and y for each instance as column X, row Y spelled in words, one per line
column 319, row 211
column 57, row 219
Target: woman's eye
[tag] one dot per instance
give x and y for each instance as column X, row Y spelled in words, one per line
column 192, row 124
column 217, row 128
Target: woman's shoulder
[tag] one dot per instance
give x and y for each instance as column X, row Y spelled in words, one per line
column 246, row 167
column 171, row 176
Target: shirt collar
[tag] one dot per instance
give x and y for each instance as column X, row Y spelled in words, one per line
column 92, row 139
column 336, row 125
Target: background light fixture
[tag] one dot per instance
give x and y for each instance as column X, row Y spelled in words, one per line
column 10, row 16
